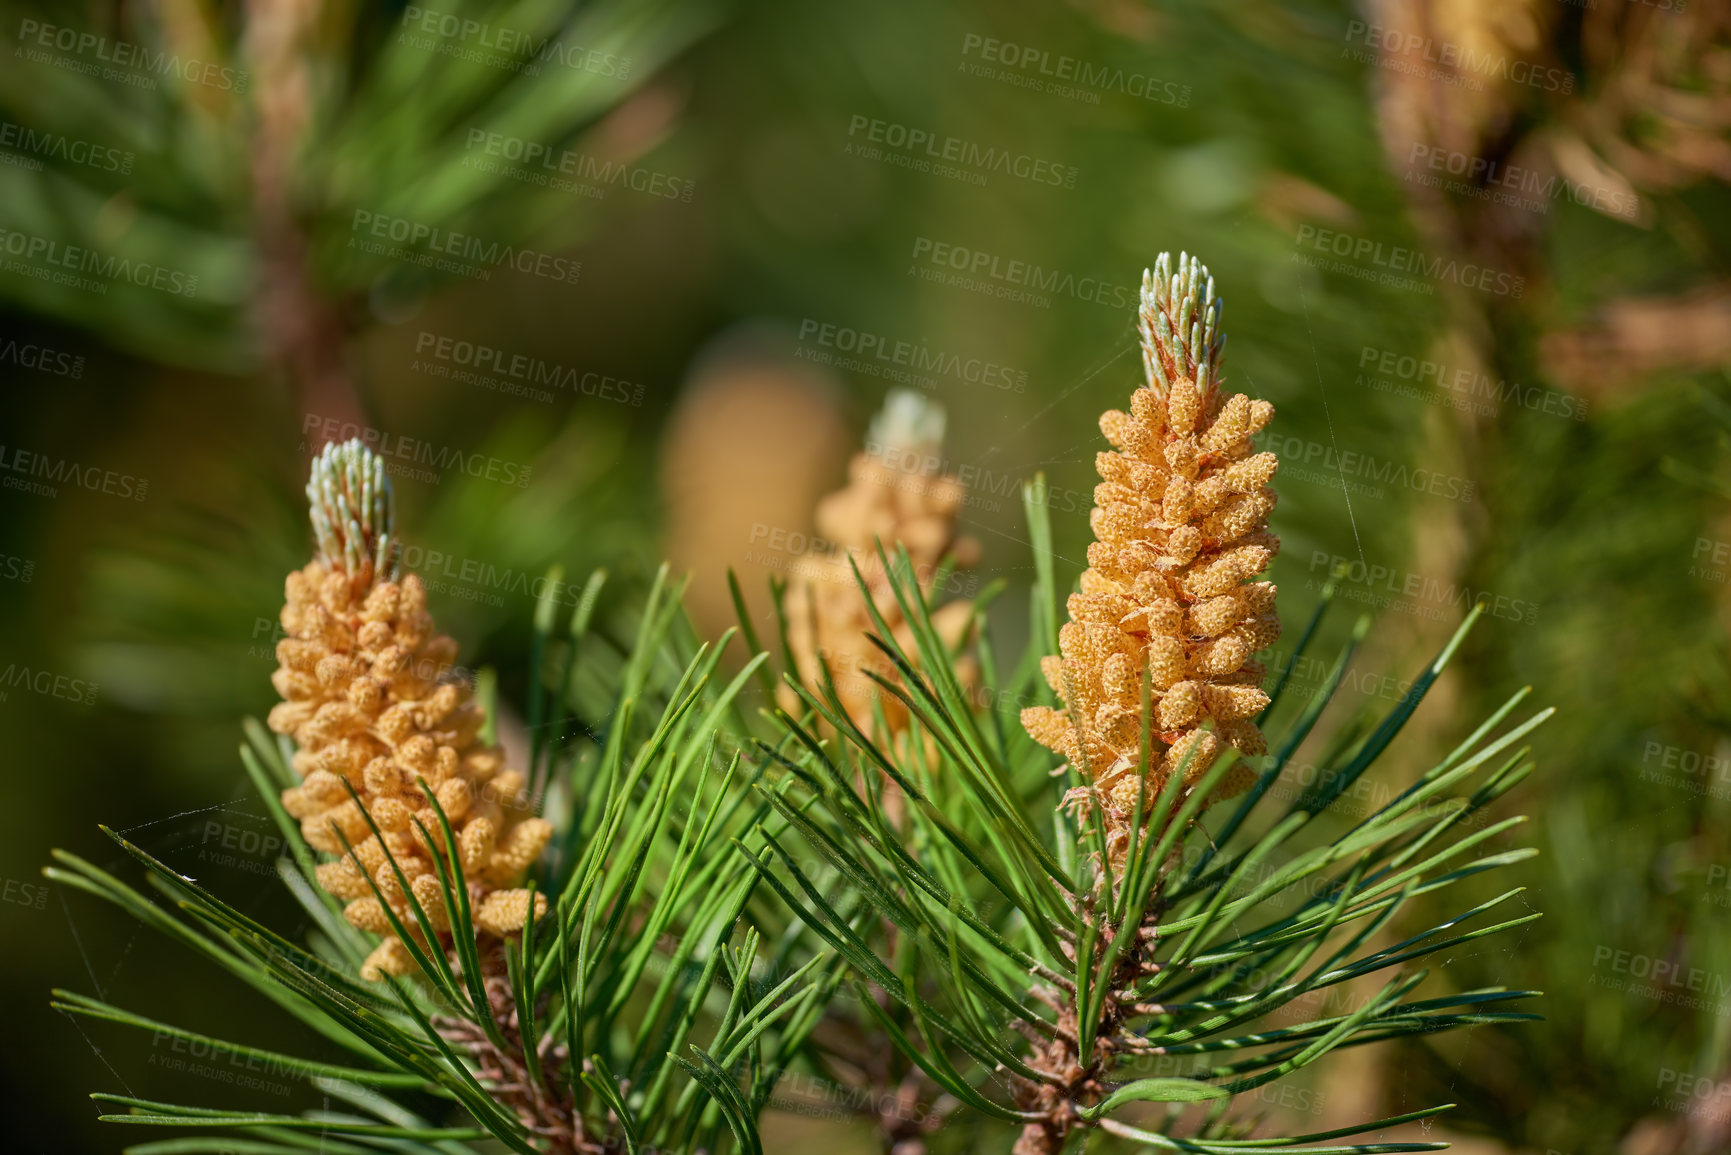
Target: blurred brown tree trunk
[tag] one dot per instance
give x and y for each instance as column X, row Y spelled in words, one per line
column 300, row 325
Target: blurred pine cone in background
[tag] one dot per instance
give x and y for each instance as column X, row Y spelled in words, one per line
column 897, row 494
column 753, row 443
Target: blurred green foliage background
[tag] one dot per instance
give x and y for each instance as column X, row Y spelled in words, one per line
column 720, row 208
